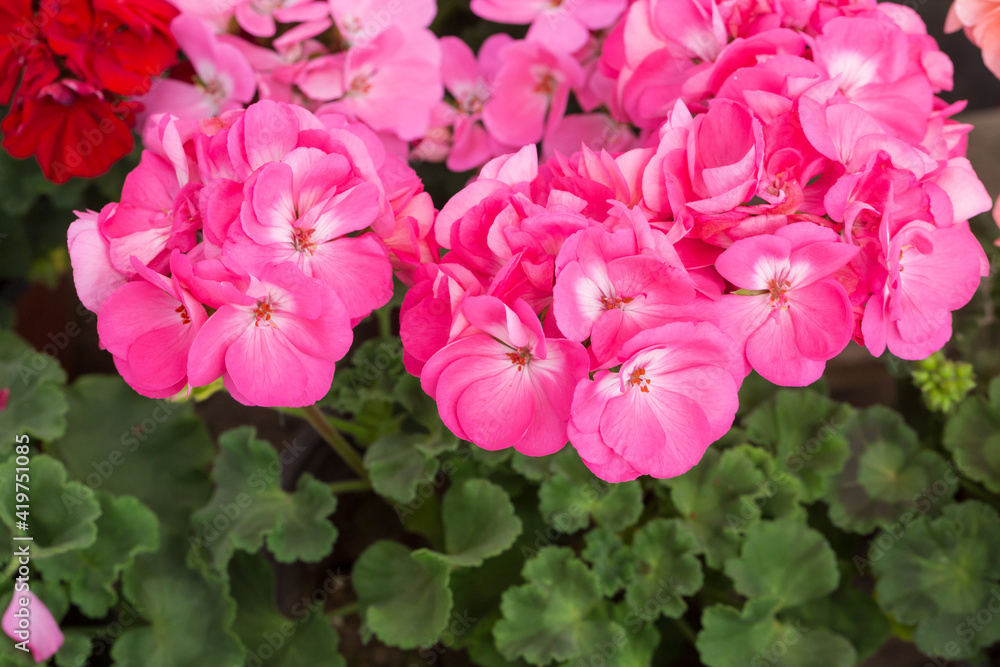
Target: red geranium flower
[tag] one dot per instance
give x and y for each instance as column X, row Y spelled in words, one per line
column 15, row 22
column 70, row 128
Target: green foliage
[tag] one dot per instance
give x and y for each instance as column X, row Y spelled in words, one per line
column 973, row 437
column 249, row 506
column 403, row 595
column 398, row 466
column 36, row 404
column 887, row 474
column 940, row 574
column 784, row 560
column 306, row 640
column 479, row 522
column 125, row 528
column 572, row 495
column 668, row 569
column 611, row 559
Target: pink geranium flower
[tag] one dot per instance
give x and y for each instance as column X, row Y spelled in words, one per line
column 34, row 619
column 277, row 344
column 674, row 395
column 562, row 26
column 505, row 384
column 791, row 315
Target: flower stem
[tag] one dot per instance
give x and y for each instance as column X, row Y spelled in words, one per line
column 974, row 489
column 345, row 610
column 685, row 629
column 350, row 485
column 343, row 448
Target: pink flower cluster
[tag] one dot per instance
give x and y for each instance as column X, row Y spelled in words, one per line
column 803, row 187
column 246, row 247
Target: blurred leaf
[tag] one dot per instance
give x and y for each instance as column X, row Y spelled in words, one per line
column 939, row 574
column 556, row 615
column 716, row 499
column 76, row 649
column 403, row 596
column 572, row 495
column 36, row 404
column 397, row 465
column 731, row 638
column 125, row 528
column 189, row 612
column 611, row 560
column 885, row 474
column 249, row 506
column 668, row 569
column 785, row 560
column 973, row 437
column 479, row 522
column 802, row 429
column 122, row 443
column 309, row 640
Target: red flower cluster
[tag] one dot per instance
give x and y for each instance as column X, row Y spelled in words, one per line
column 68, row 69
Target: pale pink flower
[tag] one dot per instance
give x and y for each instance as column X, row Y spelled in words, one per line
column 562, row 25
column 32, row 622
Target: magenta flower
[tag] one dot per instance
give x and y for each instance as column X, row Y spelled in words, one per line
column 278, row 344
column 28, row 619
column 562, row 26
column 791, row 315
column 505, row 384
column 675, row 394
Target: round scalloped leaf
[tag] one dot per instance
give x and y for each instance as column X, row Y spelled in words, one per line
column 36, row 404
column 668, row 569
column 122, row 443
column 611, row 560
column 125, row 529
column 56, row 526
column 716, row 499
column 572, row 495
column 249, row 506
column 887, row 473
column 785, row 560
column 973, row 437
column 479, row 522
column 398, row 466
column 556, row 615
column 803, row 430
column 305, row 640
column 403, row 596
column 731, row 638
column 190, row 614
column 940, row 572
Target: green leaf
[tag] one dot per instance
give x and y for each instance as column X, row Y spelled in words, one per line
column 939, row 574
column 556, row 615
column 76, row 649
column 125, row 528
column 573, row 495
column 803, row 430
column 780, row 494
column 785, row 560
column 716, row 499
column 621, row 643
column 668, row 569
column 533, row 468
column 122, row 443
column 887, row 474
column 189, row 612
column 848, row 612
column 479, row 522
column 611, row 560
column 36, row 404
column 730, row 638
column 973, row 437
column 249, row 506
column 398, row 466
column 55, row 526
column 403, row 596
column 307, row 640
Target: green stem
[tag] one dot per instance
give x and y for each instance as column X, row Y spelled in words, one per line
column 350, row 485
column 11, row 568
column 343, row 448
column 685, row 629
column 346, row 610
column 974, row 489
column 384, row 316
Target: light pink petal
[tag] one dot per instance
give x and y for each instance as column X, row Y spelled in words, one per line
column 207, row 356
column 752, row 263
column 358, row 270
column 773, row 352
column 822, row 317
column 45, row 635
